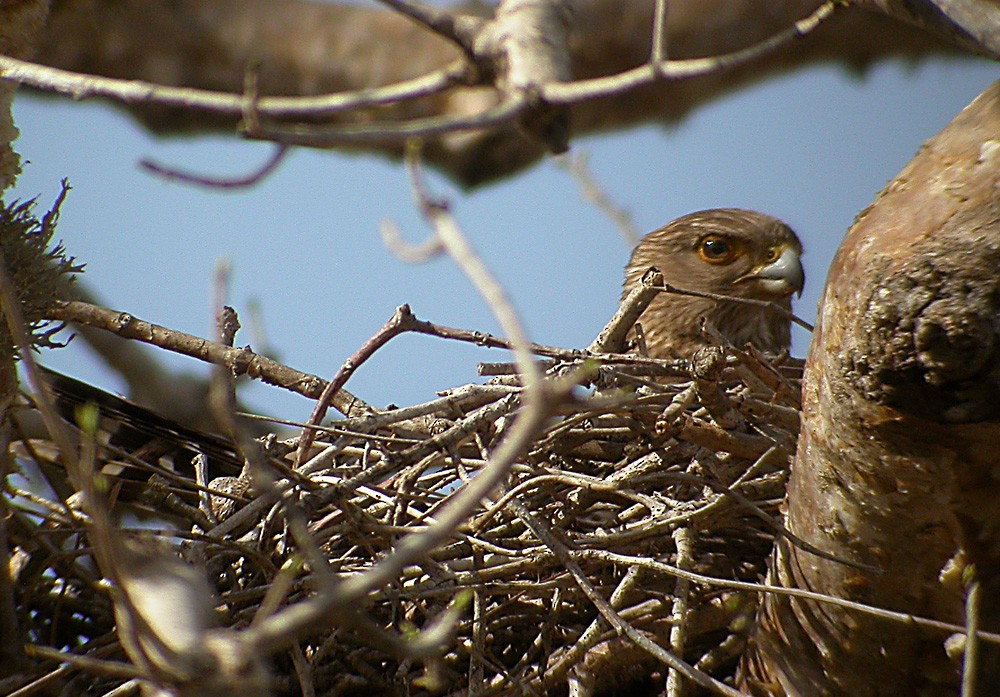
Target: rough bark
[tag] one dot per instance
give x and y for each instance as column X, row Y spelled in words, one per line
column 897, row 463
column 307, row 48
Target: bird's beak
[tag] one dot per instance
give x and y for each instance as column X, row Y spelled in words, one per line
column 782, row 276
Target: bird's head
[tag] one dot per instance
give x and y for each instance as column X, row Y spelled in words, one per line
column 729, row 252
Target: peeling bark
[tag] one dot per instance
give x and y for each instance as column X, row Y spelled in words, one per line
column 898, row 463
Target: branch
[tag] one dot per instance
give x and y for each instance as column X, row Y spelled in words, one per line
column 609, row 39
column 241, row 361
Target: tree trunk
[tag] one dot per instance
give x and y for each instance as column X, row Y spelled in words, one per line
column 897, row 463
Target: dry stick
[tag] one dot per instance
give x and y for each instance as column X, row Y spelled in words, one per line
column 319, row 137
column 590, row 636
column 565, row 557
column 970, row 664
column 645, row 75
column 611, row 339
column 459, row 29
column 393, row 240
column 395, row 326
column 459, row 249
column 241, row 361
column 766, row 304
column 915, row 620
column 659, row 52
column 538, row 399
column 678, row 613
column 108, row 669
column 80, row 86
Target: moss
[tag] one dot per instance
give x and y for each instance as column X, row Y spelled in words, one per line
column 39, row 271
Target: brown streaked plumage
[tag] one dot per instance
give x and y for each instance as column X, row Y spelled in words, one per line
column 726, row 251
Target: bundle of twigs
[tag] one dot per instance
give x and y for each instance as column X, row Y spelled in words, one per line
column 605, row 557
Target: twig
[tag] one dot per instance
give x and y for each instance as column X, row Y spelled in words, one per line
column 514, row 105
column 241, row 361
column 404, row 251
column 328, row 136
column 110, row 669
column 592, row 192
column 701, row 579
column 659, row 52
column 678, row 613
column 970, row 662
column 460, row 30
column 611, row 339
column 395, row 326
column 767, row 304
column 80, row 86
column 642, row 76
column 277, row 157
column 555, row 672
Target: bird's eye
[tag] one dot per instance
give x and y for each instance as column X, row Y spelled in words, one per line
column 717, row 250
column 772, row 255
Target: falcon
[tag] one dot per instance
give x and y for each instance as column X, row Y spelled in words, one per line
column 725, row 251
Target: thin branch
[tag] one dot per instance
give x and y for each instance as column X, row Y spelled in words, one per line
column 241, row 361
column 555, row 672
column 251, row 179
column 460, row 30
column 611, row 338
column 320, row 136
column 682, row 591
column 395, row 326
column 592, row 192
column 767, row 304
column 659, row 53
column 971, row 658
column 459, row 249
column 515, row 104
column 393, row 240
column 645, row 75
column 80, row 86
column 701, row 579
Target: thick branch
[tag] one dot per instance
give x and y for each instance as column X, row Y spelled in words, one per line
column 897, row 461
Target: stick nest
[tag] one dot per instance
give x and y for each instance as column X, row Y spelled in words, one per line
column 648, row 472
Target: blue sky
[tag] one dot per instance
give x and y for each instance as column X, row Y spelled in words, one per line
column 813, row 148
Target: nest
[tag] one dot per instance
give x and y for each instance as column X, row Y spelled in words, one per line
column 604, row 558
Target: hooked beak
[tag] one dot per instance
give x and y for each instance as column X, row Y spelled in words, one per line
column 782, row 276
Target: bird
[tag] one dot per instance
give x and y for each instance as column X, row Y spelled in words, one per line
column 135, row 443
column 732, row 252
